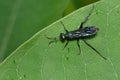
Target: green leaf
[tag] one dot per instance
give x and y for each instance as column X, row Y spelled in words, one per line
column 20, row 19
column 34, row 60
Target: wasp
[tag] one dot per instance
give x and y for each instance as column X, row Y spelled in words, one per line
column 82, row 33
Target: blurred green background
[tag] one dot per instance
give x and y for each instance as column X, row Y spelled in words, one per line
column 21, row 19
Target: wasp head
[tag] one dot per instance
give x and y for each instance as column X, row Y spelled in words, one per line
column 62, row 37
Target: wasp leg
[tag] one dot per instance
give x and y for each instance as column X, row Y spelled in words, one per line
column 94, row 49
column 86, row 18
column 64, row 27
column 66, row 44
column 79, row 46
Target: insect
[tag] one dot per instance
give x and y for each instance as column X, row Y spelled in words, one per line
column 82, row 33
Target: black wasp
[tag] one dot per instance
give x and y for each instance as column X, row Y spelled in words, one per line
column 82, row 33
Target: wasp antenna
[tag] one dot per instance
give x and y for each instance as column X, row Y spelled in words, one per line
column 52, row 40
column 50, row 43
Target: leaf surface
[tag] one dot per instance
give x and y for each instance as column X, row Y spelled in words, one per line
column 34, row 60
